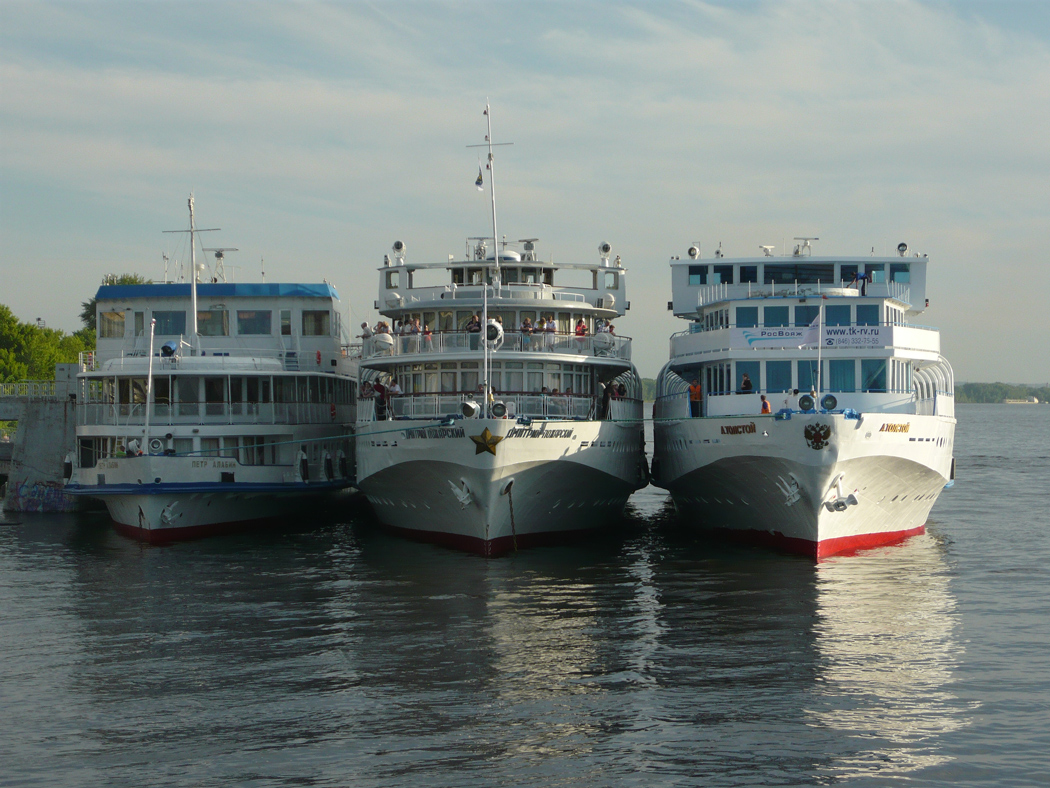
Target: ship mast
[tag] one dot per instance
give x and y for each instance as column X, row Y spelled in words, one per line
column 495, row 251
column 196, row 347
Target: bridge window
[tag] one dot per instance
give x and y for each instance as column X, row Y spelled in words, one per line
column 611, row 280
column 697, row 275
column 393, row 280
column 847, row 273
column 802, row 273
column 722, row 275
column 746, row 316
column 213, row 322
column 254, row 321
column 876, row 272
column 170, row 323
column 748, row 273
column 111, row 325
column 900, row 272
column 317, row 323
column 752, row 369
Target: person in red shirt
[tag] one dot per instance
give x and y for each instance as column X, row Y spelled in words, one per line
column 696, row 397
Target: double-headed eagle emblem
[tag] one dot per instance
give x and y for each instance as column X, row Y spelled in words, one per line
column 817, row 435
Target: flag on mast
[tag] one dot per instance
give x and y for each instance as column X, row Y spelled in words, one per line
column 479, row 182
column 811, row 336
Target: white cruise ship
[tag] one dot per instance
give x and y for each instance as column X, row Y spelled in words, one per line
column 859, row 440
column 212, row 406
column 555, row 447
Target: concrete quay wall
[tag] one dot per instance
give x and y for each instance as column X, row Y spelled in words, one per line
column 46, row 434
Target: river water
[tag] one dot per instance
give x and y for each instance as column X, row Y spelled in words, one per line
column 331, row 654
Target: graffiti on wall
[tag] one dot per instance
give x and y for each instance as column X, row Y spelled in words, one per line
column 30, row 496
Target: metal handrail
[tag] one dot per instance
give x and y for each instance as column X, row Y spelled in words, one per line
column 600, row 345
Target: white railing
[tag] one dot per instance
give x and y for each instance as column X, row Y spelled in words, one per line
column 29, row 389
column 418, row 406
column 597, row 345
column 712, row 294
column 521, row 291
column 206, row 413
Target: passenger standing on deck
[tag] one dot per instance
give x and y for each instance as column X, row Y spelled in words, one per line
column 745, row 384
column 696, row 397
column 766, row 407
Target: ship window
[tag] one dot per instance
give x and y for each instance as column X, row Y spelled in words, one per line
column 804, row 315
column 722, row 275
column 876, row 272
column 776, row 316
column 446, row 322
column 752, row 369
column 900, row 272
column 515, row 380
column 316, row 322
column 807, row 374
column 535, row 381
column 474, row 276
column 213, row 322
column 468, row 380
column 748, row 273
column 448, row 382
column 214, row 396
column 838, row 315
column 448, row 364
column 528, row 275
column 611, row 280
column 469, row 365
column 254, row 321
column 286, row 322
column 867, row 314
column 697, row 275
column 140, row 324
column 170, row 323
column 778, row 376
column 111, row 325
column 548, row 276
column 457, row 276
column 873, row 374
column 186, row 390
column 803, row 273
column 847, row 273
column 209, row 447
column 510, row 276
column 565, row 324
column 393, row 280
column 462, row 318
column 842, row 375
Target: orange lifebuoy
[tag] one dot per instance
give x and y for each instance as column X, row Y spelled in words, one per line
column 318, row 357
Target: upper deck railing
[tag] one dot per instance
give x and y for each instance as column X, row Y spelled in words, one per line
column 713, row 294
column 29, row 389
column 519, row 292
column 601, row 345
column 532, row 405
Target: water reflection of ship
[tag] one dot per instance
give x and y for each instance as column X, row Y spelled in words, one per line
column 885, row 634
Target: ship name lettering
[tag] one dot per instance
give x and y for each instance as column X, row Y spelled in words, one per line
column 738, row 429
column 525, row 432
column 434, row 433
column 895, row 428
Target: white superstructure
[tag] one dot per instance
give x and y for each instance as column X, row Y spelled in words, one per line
column 214, row 405
column 859, row 441
column 498, row 439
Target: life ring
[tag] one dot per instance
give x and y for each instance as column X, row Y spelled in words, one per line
column 332, row 411
column 318, row 358
column 155, row 446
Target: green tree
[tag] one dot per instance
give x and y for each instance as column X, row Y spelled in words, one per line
column 87, row 312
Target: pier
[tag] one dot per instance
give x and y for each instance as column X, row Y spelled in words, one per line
column 31, row 464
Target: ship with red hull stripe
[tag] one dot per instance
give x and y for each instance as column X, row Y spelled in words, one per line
column 801, row 410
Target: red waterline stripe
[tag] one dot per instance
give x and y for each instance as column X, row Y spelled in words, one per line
column 841, row 545
column 165, row 535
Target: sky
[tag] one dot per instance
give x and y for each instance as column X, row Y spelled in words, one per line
column 317, row 134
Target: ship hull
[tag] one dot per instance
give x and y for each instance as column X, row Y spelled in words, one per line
column 199, row 507
column 815, row 484
column 543, row 483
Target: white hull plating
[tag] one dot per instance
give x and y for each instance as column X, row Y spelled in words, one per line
column 817, row 484
column 537, row 482
column 142, row 504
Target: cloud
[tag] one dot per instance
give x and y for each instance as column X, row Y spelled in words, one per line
column 321, row 132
